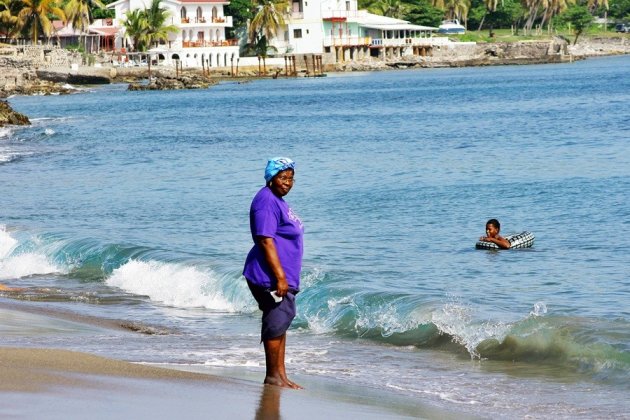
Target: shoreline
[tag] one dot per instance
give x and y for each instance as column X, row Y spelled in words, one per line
column 23, row 77
column 63, row 382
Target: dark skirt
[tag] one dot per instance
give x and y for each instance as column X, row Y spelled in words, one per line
column 277, row 316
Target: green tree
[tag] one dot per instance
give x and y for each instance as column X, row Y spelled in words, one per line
column 79, row 13
column 490, row 6
column 146, row 27
column 102, row 12
column 425, row 14
column 554, row 8
column 457, row 9
column 156, row 28
column 241, row 12
column 135, row 26
column 390, row 8
column 509, row 14
column 268, row 19
column 579, row 19
column 620, row 9
column 36, row 14
column 10, row 24
column 260, row 47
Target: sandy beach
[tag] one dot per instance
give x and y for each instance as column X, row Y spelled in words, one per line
column 67, row 384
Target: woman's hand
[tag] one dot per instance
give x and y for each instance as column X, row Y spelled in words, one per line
column 271, row 256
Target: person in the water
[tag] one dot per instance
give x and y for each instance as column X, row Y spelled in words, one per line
column 493, row 227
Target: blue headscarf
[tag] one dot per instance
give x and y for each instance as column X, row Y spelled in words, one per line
column 277, row 164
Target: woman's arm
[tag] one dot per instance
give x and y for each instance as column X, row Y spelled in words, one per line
column 271, row 256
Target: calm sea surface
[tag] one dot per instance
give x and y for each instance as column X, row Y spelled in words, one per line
column 133, row 206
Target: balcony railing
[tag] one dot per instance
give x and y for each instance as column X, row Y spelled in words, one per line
column 202, row 44
column 401, row 42
column 347, row 41
column 348, row 14
column 215, row 21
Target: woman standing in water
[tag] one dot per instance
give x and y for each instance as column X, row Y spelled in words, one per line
column 272, row 268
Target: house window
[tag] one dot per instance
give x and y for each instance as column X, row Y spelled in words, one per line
column 183, row 13
column 297, row 33
column 307, row 32
column 347, row 5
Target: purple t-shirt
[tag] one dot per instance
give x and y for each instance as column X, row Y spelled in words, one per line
column 272, row 217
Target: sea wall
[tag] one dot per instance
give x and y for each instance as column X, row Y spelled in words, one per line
column 465, row 54
column 598, row 46
column 19, row 66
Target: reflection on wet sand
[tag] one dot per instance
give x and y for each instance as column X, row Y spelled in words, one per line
column 269, row 404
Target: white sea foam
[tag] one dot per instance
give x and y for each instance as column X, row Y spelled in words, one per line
column 24, row 265
column 540, row 309
column 173, row 284
column 21, row 265
column 7, row 243
column 49, row 131
column 5, row 132
column 456, row 320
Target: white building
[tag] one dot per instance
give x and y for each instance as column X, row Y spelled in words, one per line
column 200, row 40
column 340, row 31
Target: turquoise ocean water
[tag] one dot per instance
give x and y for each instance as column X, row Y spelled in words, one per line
column 133, row 206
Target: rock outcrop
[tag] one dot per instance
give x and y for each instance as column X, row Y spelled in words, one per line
column 10, row 117
column 171, row 82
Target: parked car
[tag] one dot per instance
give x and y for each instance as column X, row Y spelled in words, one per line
column 622, row 27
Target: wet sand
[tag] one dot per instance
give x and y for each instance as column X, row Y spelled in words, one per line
column 56, row 383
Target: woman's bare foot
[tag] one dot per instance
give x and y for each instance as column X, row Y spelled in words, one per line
column 282, row 382
column 277, row 381
column 292, row 384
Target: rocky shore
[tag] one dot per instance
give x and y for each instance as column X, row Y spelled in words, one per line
column 471, row 54
column 44, row 70
column 10, row 117
column 170, row 81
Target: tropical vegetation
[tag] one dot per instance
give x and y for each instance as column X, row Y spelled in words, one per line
column 32, row 19
column 35, row 17
column 79, row 13
column 145, row 28
column 530, row 16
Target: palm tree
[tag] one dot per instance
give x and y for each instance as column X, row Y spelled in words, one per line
column 79, row 13
column 555, row 7
column 135, row 28
column 268, row 19
column 260, row 47
column 10, row 24
column 156, row 18
column 35, row 15
column 594, row 4
column 491, row 6
column 532, row 7
column 438, row 4
column 391, row 8
column 457, row 9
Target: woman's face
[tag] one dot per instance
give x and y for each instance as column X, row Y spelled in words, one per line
column 282, row 183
